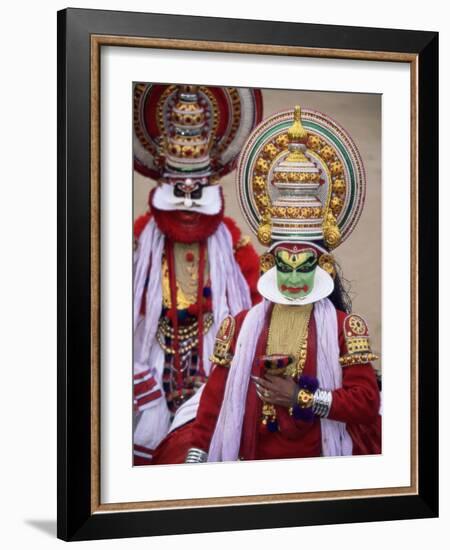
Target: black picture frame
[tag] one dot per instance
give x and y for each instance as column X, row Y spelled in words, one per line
column 76, row 518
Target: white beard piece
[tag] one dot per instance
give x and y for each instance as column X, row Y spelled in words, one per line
column 210, row 202
column 268, row 288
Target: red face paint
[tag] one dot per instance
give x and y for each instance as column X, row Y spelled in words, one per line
column 294, row 289
column 183, row 226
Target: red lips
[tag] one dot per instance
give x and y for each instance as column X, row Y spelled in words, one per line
column 294, row 289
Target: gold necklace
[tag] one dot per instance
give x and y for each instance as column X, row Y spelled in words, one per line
column 285, row 320
column 186, row 260
column 288, row 334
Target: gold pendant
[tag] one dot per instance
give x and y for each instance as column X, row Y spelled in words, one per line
column 269, row 413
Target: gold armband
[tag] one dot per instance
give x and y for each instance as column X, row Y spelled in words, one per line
column 221, row 353
column 357, row 340
column 357, row 358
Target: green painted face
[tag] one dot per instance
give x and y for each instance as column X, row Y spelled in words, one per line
column 295, row 271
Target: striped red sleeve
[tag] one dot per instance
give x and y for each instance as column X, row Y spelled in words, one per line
column 146, row 390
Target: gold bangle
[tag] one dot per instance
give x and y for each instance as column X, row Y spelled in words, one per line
column 304, row 398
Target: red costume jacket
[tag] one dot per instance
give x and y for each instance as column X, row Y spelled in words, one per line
column 356, row 403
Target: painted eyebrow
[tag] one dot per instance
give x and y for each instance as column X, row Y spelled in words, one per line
column 309, row 259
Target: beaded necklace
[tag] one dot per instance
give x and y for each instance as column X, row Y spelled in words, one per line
column 179, row 335
column 288, row 335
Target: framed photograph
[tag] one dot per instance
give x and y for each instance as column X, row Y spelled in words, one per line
column 247, row 286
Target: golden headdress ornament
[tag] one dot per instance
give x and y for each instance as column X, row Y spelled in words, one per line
column 301, row 178
column 189, row 130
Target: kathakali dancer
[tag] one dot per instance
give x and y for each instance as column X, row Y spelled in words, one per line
column 192, row 266
column 293, row 375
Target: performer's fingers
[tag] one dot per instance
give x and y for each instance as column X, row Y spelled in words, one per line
column 267, row 397
column 273, row 398
column 271, row 384
column 262, row 396
column 259, row 387
column 277, row 381
column 282, row 386
column 274, row 380
column 261, row 382
column 273, row 388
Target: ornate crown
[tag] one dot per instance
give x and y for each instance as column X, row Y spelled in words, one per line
column 188, row 143
column 187, row 130
column 301, row 178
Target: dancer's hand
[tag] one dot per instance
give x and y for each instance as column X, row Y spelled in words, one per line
column 276, row 390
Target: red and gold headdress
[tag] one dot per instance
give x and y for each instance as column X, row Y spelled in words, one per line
column 188, row 131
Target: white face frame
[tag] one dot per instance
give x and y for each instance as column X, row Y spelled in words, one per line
column 210, row 202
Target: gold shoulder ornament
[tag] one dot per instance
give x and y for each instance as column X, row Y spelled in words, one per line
column 357, row 340
column 221, row 353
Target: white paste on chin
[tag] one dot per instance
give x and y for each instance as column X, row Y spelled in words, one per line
column 268, row 288
column 210, row 203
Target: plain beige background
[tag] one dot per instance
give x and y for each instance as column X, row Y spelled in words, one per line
column 360, row 255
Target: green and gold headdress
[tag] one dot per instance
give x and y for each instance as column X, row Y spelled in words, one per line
column 301, row 178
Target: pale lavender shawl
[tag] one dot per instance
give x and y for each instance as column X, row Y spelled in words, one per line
column 227, row 434
column 335, row 439
column 230, row 291
column 148, row 257
column 226, row 439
